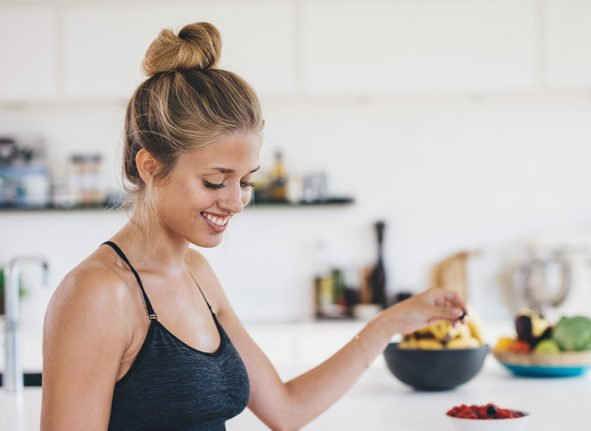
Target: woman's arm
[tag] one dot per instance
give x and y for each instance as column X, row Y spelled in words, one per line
column 313, row 392
column 85, row 336
column 291, row 405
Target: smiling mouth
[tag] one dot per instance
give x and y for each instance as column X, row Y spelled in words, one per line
column 217, row 221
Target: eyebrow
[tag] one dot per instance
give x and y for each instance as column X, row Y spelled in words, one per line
column 231, row 171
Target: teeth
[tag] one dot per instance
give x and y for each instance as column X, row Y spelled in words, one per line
column 218, row 221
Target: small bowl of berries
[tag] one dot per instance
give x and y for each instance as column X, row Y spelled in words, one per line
column 486, row 417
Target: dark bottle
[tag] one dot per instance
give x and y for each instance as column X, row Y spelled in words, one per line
column 277, row 189
column 377, row 277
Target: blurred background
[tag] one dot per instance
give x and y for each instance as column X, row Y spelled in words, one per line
column 463, row 125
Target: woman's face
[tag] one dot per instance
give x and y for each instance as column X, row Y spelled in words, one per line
column 207, row 187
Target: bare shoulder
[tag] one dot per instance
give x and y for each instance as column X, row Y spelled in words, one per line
column 91, row 294
column 93, row 280
column 85, row 336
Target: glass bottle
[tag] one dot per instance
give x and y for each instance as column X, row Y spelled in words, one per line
column 76, row 179
column 377, row 277
column 277, row 188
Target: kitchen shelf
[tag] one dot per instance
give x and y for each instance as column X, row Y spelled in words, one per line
column 325, row 202
column 334, row 201
column 12, row 209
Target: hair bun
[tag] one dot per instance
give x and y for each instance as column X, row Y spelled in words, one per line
column 197, row 46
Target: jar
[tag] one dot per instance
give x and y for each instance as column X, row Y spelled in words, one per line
column 76, row 168
column 96, row 194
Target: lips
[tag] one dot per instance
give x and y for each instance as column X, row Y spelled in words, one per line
column 217, row 222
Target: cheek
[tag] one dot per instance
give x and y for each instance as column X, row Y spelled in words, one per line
column 246, row 196
column 181, row 196
column 191, row 192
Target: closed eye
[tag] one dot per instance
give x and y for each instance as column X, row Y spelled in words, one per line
column 218, row 186
column 213, row 186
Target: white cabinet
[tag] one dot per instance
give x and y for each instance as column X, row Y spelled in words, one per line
column 93, row 50
column 567, row 44
column 409, row 46
column 29, row 53
column 105, row 44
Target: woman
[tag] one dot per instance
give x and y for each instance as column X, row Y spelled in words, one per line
column 140, row 335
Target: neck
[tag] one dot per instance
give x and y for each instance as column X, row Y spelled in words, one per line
column 150, row 245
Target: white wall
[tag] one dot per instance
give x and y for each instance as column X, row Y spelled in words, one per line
column 447, row 171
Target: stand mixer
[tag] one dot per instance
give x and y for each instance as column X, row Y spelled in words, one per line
column 555, row 280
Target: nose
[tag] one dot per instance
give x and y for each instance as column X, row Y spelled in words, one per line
column 234, row 199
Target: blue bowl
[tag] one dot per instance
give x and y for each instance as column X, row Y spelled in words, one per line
column 569, row 364
column 546, row 370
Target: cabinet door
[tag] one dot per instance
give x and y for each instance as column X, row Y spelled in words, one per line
column 409, row 46
column 104, row 45
column 567, row 44
column 29, row 52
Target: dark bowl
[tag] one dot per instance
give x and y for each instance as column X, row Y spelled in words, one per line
column 434, row 370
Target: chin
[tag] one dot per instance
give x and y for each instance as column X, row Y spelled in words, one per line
column 207, row 242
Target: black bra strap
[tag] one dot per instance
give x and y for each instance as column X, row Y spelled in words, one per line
column 202, row 294
column 151, row 313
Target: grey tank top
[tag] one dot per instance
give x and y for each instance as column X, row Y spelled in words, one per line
column 174, row 387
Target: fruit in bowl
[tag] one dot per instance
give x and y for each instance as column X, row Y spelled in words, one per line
column 535, row 334
column 441, row 356
column 543, row 349
column 487, row 417
column 443, row 334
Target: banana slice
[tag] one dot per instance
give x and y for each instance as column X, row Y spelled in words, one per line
column 442, row 330
column 429, row 344
column 463, row 331
column 408, row 342
column 475, row 325
column 463, row 343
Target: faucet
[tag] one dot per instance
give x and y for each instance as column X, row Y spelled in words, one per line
column 13, row 367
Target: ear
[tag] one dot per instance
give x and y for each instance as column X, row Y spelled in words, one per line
column 146, row 164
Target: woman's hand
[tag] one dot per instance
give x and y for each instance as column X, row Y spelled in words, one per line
column 424, row 308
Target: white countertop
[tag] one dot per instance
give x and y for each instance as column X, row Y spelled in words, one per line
column 378, row 402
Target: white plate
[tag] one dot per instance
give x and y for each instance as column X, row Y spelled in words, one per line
column 509, row 424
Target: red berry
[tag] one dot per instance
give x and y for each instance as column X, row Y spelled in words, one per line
column 485, row 412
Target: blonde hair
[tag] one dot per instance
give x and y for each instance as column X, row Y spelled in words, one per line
column 185, row 104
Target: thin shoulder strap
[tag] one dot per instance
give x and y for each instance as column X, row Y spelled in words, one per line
column 151, row 313
column 202, row 294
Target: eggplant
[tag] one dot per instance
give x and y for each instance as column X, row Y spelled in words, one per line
column 523, row 327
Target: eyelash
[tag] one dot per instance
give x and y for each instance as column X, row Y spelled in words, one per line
column 214, row 186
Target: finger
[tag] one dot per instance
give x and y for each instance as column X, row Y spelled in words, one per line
column 451, row 298
column 446, row 313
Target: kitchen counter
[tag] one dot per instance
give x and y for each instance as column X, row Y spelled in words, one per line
column 379, row 402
